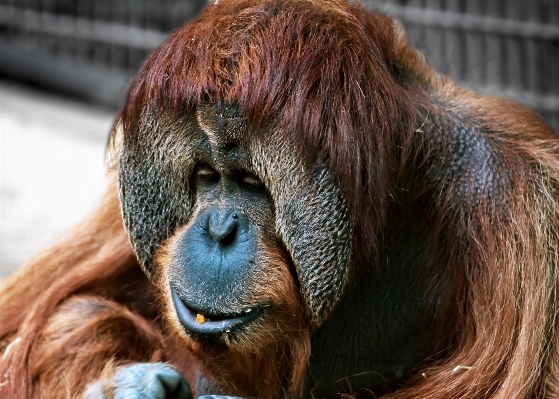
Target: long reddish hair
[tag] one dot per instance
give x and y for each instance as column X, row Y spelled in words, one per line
column 345, row 85
column 333, row 98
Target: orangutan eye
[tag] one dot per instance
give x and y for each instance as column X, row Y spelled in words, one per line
column 250, row 180
column 206, row 175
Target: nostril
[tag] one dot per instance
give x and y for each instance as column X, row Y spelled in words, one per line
column 229, row 236
column 223, row 227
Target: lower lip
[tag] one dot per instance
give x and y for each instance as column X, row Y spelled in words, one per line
column 187, row 317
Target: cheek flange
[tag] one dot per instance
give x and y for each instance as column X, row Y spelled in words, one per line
column 148, row 207
column 154, row 183
column 311, row 219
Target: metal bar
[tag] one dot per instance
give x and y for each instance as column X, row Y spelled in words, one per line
column 468, row 22
column 474, row 61
column 435, row 41
column 534, row 52
column 456, row 53
column 494, row 56
column 538, row 102
column 515, row 49
column 80, row 28
column 94, row 82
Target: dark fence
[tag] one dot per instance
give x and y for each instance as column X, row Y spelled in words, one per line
column 504, row 47
column 89, row 48
column 93, row 47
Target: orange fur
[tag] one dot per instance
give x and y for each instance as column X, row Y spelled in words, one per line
column 277, row 350
column 80, row 309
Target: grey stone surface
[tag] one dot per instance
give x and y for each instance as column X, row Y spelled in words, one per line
column 52, row 169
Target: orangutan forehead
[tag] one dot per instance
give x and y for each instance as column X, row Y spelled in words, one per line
column 224, row 125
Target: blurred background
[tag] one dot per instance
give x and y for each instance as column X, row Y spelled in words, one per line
column 65, row 66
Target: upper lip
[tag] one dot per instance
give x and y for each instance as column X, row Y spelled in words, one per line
column 214, row 324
